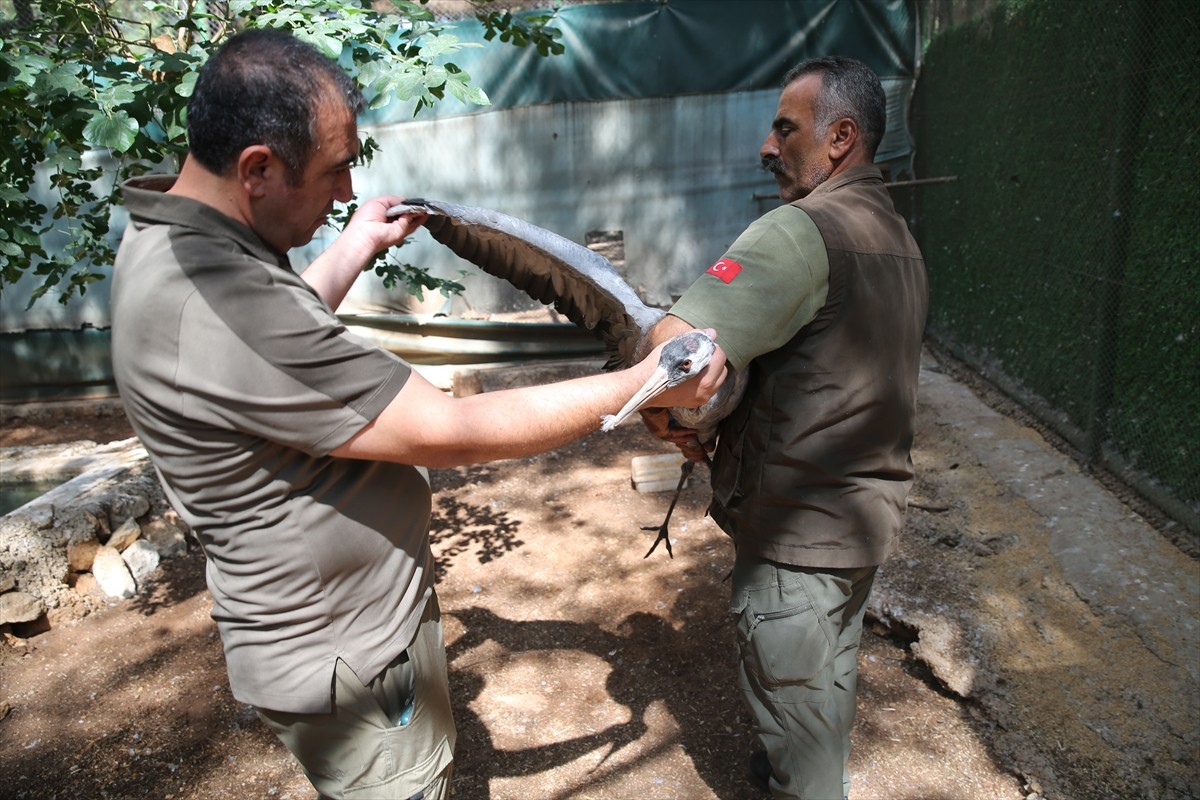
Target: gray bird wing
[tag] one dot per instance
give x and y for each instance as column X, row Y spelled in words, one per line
column 581, row 284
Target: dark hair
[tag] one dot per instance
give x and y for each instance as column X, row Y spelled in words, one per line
column 848, row 89
column 263, row 87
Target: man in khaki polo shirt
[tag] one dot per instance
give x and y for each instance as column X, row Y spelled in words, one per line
column 290, row 446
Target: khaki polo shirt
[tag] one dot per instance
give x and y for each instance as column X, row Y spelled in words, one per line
column 239, row 380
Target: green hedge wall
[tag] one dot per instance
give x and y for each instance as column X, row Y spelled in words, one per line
column 1064, row 257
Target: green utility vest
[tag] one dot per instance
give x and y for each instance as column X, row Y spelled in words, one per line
column 813, row 468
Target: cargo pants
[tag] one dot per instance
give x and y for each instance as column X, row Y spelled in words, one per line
column 798, row 632
column 389, row 738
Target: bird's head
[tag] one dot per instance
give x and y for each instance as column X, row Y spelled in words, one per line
column 681, row 358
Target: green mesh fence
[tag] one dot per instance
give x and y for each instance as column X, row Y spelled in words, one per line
column 1062, row 258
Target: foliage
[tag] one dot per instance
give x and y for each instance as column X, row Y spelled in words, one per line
column 521, row 31
column 95, row 91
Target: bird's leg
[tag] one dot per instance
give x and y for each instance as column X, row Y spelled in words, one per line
column 684, row 472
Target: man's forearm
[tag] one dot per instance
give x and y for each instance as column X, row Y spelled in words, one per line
column 332, row 274
column 423, row 425
column 369, row 231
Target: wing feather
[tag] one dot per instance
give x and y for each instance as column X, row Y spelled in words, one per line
column 579, row 283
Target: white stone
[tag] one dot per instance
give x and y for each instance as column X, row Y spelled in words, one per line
column 112, row 574
column 142, row 559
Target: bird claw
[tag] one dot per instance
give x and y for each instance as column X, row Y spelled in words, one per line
column 684, row 472
column 662, row 537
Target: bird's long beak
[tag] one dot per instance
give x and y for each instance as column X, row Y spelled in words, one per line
column 653, row 387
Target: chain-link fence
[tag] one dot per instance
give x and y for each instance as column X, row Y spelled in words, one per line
column 1062, row 248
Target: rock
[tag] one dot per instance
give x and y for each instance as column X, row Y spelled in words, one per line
column 142, row 559
column 126, row 506
column 87, row 586
column 80, row 555
column 47, row 544
column 112, row 574
column 128, row 533
column 41, row 516
column 19, row 607
column 37, row 557
column 78, row 525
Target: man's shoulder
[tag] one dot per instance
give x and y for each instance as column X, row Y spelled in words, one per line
column 863, row 177
column 194, row 225
column 787, row 227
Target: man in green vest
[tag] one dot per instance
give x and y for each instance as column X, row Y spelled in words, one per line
column 823, row 301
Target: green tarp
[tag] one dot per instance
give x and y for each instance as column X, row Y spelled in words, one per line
column 682, row 47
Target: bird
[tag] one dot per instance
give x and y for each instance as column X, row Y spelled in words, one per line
column 583, row 286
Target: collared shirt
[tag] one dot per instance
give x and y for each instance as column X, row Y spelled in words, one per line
column 240, row 381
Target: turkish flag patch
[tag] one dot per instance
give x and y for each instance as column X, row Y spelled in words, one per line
column 726, row 270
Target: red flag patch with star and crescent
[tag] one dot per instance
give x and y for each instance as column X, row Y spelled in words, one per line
column 725, row 270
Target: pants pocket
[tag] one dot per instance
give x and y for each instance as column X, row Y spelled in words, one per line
column 367, row 747
column 417, row 767
column 781, row 637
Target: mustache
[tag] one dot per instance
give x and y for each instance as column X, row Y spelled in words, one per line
column 773, row 164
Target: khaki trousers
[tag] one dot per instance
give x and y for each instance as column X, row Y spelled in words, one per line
column 798, row 631
column 391, row 738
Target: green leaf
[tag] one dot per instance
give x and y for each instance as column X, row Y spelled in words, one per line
column 30, row 66
column 10, row 194
column 435, row 76
column 67, row 159
column 327, row 44
column 433, row 47
column 465, row 93
column 116, row 132
column 187, row 84
column 116, row 95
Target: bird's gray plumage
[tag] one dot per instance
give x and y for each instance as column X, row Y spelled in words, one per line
column 580, row 283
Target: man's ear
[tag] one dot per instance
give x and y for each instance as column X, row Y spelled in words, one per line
column 843, row 138
column 255, row 166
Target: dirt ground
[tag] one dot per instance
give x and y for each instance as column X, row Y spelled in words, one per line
column 581, row 670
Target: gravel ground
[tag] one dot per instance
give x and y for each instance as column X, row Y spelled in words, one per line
column 993, row 667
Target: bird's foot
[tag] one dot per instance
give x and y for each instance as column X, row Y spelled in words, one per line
column 663, row 537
